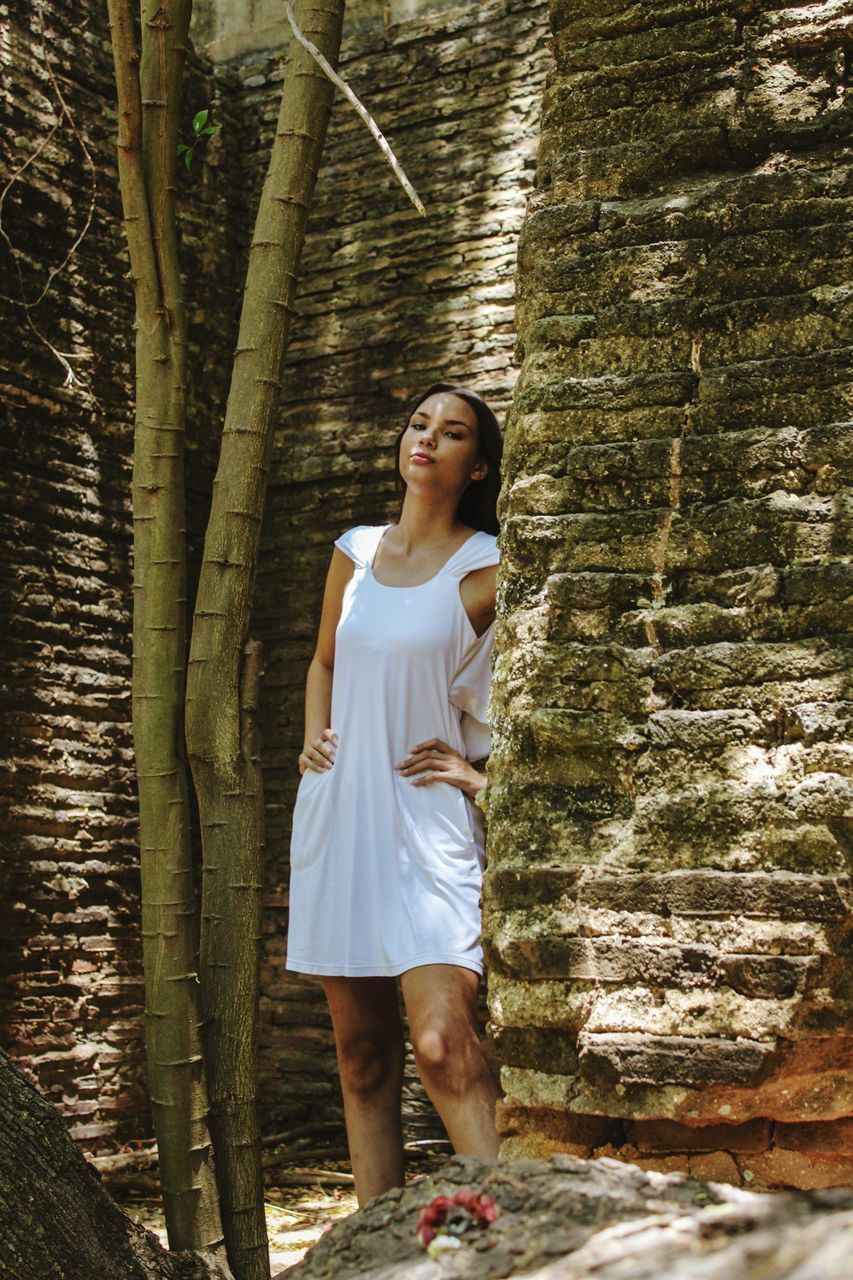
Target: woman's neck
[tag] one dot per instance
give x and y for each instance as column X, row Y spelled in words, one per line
column 428, row 524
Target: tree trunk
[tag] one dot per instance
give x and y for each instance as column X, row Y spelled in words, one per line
column 225, row 667
column 148, row 105
column 56, row 1220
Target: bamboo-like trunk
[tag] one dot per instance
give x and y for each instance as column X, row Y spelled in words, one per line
column 222, row 683
column 147, row 124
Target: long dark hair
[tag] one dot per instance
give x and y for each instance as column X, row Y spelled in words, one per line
column 478, row 504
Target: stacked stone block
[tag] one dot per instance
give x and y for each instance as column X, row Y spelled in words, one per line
column 387, row 302
column 667, row 903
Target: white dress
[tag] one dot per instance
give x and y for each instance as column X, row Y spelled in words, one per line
column 386, row 875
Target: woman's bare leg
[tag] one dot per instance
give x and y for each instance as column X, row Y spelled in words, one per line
column 441, row 1005
column 371, row 1052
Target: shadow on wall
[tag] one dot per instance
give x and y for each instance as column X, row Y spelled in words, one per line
column 70, row 976
column 387, row 302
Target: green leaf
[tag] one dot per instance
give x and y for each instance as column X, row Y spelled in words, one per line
column 182, row 147
column 211, row 128
column 199, row 119
column 188, row 158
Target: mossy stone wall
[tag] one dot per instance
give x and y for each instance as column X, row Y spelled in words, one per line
column 667, row 904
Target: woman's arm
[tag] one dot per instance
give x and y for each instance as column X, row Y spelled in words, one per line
column 320, row 738
column 318, row 706
column 480, row 776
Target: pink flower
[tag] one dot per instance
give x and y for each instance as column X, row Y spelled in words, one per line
column 480, row 1206
column 432, row 1217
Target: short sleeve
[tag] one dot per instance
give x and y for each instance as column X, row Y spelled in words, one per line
column 469, row 691
column 354, row 543
column 480, row 550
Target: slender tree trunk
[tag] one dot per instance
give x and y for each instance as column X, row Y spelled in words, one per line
column 148, row 109
column 56, row 1220
column 225, row 667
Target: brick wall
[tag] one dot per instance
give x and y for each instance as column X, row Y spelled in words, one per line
column 667, row 900
column 666, row 917
column 388, row 302
column 71, row 987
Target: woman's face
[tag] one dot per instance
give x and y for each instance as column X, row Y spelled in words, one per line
column 441, row 444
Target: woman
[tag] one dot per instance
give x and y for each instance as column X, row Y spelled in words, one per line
column 387, row 846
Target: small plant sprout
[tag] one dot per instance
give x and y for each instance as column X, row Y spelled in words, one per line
column 200, row 130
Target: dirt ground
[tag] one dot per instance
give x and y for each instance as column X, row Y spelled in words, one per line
column 296, row 1217
column 297, row 1214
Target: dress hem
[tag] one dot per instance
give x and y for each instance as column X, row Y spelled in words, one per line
column 377, row 971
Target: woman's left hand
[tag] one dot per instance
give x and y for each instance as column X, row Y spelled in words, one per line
column 445, row 764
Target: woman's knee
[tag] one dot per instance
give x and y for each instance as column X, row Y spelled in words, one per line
column 369, row 1062
column 446, row 1053
column 368, row 1032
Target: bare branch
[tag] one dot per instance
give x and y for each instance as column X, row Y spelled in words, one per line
column 62, row 356
column 362, row 111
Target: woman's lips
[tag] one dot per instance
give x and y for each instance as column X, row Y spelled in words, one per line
column 420, row 457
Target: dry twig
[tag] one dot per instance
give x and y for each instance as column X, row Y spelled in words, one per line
column 29, row 305
column 362, row 111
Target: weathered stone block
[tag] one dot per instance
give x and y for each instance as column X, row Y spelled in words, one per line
column 705, row 893
column 781, row 1168
column 638, row 1059
column 805, row 1081
column 715, row 1166
column 667, row 1135
column 524, row 886
column 573, row 1131
column 516, row 1046
column 607, row 960
column 829, row 1137
column 775, row 976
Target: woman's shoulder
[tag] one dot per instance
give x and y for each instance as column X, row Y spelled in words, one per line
column 481, row 538
column 477, row 552
column 360, row 541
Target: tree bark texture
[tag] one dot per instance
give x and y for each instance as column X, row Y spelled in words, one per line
column 225, row 667
column 148, row 101
column 56, row 1220
column 572, row 1219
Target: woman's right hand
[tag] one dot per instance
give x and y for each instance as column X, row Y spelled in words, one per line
column 319, row 755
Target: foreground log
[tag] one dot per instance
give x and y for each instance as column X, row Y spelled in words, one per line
column 56, row 1220
column 572, row 1219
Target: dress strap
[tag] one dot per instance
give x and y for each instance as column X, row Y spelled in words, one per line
column 481, row 549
